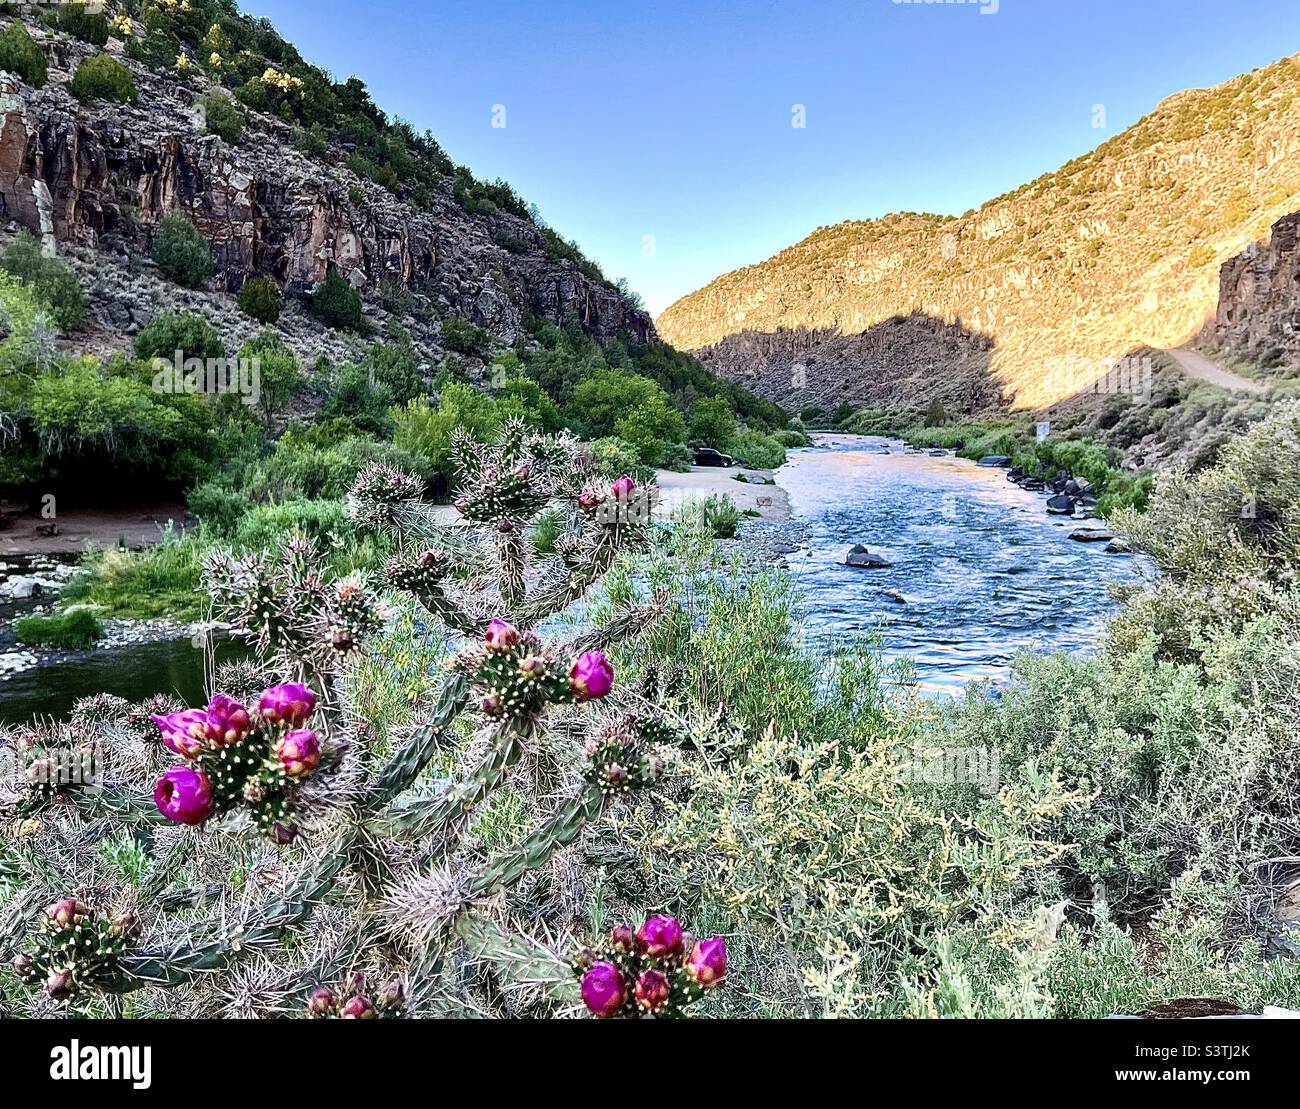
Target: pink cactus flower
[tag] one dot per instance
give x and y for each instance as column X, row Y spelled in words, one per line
column 184, row 795
column 228, row 721
column 500, row 636
column 706, row 965
column 623, row 939
column 588, row 501
column 622, row 488
column 298, row 752
column 592, row 676
column 183, row 731
column 603, row 989
column 65, row 913
column 288, row 704
column 322, row 1001
column 652, row 990
column 359, row 1008
column 660, row 936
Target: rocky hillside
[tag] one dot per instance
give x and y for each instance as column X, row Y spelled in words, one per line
column 95, row 180
column 1258, row 315
column 1120, row 249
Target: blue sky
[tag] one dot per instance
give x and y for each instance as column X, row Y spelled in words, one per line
column 674, row 120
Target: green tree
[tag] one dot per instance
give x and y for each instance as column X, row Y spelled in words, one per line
column 19, row 54
column 222, row 116
column 713, row 424
column 182, row 252
column 606, row 396
column 103, row 78
column 653, row 427
column 426, row 429
column 336, row 303
column 185, row 332
column 260, row 299
column 279, row 376
column 49, row 278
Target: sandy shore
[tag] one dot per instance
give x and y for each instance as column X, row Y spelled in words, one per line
column 139, row 526
column 770, row 501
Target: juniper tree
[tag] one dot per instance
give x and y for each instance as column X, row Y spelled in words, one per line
column 291, row 850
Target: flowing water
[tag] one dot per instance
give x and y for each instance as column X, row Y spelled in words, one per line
column 984, row 571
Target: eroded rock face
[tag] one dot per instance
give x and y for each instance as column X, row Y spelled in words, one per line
column 1259, row 300
column 103, row 176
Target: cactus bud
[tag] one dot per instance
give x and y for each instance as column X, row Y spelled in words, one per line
column 322, row 1001
column 184, row 795
column 287, row 705
column 661, row 936
column 22, row 965
column 622, row 488
column 652, row 990
column 706, row 965
column 299, row 753
column 603, row 989
column 500, row 636
column 591, row 676
column 392, row 995
column 66, row 913
column 60, row 984
column 228, row 721
column 182, row 732
column 359, row 1008
column 588, row 501
column 623, row 939
column 493, row 705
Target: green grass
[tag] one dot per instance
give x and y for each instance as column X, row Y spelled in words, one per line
column 66, row 631
column 142, row 585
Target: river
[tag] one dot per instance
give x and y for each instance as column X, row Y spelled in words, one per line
column 984, row 571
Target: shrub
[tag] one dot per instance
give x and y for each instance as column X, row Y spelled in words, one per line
column 190, row 334
column 218, row 508
column 162, row 580
column 49, row 278
column 278, row 374
column 182, row 252
column 73, row 630
column 326, row 521
column 103, row 78
column 715, row 515
column 336, row 303
column 75, row 20
column 426, row 430
column 653, row 428
column 222, row 116
column 463, row 337
column 713, row 424
column 19, row 54
column 260, row 299
column 763, row 452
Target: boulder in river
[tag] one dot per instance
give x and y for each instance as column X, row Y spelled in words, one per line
column 894, row 595
column 995, row 460
column 1033, row 485
column 1119, row 545
column 862, row 559
column 936, row 453
column 1092, row 535
column 20, row 589
column 1060, row 505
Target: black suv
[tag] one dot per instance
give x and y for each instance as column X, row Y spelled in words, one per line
column 707, row 456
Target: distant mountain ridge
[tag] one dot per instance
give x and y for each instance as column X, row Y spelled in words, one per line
column 1120, row 249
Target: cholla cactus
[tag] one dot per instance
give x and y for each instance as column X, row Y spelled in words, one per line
column 336, row 829
column 656, row 970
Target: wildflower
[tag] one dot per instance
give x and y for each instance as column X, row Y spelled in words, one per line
column 661, row 936
column 183, row 731
column 603, row 989
column 184, row 795
column 288, row 704
column 592, row 676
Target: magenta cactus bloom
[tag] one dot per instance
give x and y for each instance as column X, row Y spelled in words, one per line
column 183, row 731
column 603, row 989
column 622, row 488
column 493, row 705
column 592, row 676
column 65, row 913
column 298, row 752
column 359, row 1008
column 588, row 501
column 500, row 636
column 184, row 795
column 661, row 936
column 652, row 990
column 288, row 704
column 322, row 1001
column 706, row 965
column 228, row 721
column 622, row 938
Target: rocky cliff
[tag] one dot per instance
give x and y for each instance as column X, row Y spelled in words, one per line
column 1118, row 250
column 96, row 180
column 1258, row 316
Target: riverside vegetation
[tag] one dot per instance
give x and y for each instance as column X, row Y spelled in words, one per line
column 1135, row 848
column 465, row 757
